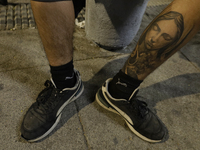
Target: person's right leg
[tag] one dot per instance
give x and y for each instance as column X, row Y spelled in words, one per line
column 55, row 22
column 164, row 36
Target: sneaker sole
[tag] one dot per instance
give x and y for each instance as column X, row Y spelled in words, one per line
column 73, row 98
column 106, row 105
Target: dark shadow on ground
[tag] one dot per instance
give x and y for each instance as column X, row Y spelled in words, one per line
column 177, row 86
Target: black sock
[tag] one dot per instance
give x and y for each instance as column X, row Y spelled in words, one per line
column 122, row 86
column 63, row 76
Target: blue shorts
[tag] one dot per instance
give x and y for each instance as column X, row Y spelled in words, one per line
column 50, row 0
column 78, row 4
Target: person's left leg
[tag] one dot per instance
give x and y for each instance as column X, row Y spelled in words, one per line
column 164, row 36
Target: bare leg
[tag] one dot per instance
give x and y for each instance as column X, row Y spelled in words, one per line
column 55, row 22
column 164, row 36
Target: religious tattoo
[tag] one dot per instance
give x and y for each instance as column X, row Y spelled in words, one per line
column 159, row 41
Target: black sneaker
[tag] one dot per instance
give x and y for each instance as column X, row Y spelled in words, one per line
column 43, row 115
column 141, row 120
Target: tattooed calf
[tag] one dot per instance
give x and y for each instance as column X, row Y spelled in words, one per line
column 156, row 44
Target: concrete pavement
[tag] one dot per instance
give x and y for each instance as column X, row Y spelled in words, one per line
column 172, row 91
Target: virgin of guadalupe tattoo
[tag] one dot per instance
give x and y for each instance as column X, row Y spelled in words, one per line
column 156, row 44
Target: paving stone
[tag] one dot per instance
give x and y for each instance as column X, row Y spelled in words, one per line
column 24, row 16
column 10, row 22
column 2, row 17
column 30, row 17
column 17, row 18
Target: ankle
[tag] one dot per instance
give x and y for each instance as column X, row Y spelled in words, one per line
column 64, row 76
column 122, row 86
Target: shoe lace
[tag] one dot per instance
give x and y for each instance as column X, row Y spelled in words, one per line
column 139, row 107
column 48, row 97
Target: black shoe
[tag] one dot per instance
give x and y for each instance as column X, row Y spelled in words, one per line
column 43, row 115
column 141, row 120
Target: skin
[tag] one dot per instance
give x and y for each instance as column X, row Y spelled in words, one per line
column 55, row 22
column 160, row 35
column 162, row 38
column 145, row 56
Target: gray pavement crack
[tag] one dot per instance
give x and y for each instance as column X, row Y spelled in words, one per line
column 110, row 56
column 82, row 127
